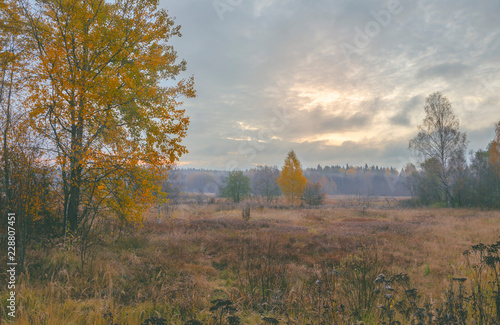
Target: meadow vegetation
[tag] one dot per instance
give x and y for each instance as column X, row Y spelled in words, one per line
column 205, row 264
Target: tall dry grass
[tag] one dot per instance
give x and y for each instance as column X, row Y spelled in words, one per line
column 291, row 265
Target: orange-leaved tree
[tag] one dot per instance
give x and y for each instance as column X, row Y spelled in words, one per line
column 291, row 179
column 102, row 93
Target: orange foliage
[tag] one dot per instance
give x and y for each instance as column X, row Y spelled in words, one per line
column 351, row 171
column 291, row 179
column 97, row 94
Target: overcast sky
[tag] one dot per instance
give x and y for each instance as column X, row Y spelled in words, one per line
column 338, row 81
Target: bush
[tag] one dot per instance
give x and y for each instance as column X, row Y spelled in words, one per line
column 313, row 194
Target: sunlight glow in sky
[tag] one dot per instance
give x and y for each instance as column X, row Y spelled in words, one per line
column 272, row 75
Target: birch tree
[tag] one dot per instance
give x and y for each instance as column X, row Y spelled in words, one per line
column 440, row 138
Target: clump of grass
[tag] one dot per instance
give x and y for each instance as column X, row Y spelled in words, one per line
column 245, row 212
column 357, row 288
column 223, row 311
column 427, row 269
column 261, row 272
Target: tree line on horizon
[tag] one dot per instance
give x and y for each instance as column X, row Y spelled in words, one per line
column 334, row 180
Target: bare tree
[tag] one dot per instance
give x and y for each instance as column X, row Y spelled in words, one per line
column 439, row 137
column 173, row 185
column 264, row 183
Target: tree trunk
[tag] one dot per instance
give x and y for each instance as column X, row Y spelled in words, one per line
column 73, row 204
column 75, row 177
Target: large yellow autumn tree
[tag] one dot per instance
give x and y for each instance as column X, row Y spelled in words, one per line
column 102, row 92
column 291, row 179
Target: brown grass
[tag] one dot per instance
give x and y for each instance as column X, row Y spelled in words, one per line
column 176, row 267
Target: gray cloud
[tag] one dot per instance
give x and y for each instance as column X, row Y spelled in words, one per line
column 318, row 121
column 287, row 54
column 403, row 116
column 449, row 71
column 480, row 138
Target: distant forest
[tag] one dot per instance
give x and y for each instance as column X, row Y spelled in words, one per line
column 335, row 180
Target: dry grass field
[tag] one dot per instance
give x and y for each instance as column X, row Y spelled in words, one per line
column 206, row 263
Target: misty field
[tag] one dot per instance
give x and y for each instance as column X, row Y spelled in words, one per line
column 205, row 264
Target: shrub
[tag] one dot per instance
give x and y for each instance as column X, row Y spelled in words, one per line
column 313, row 194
